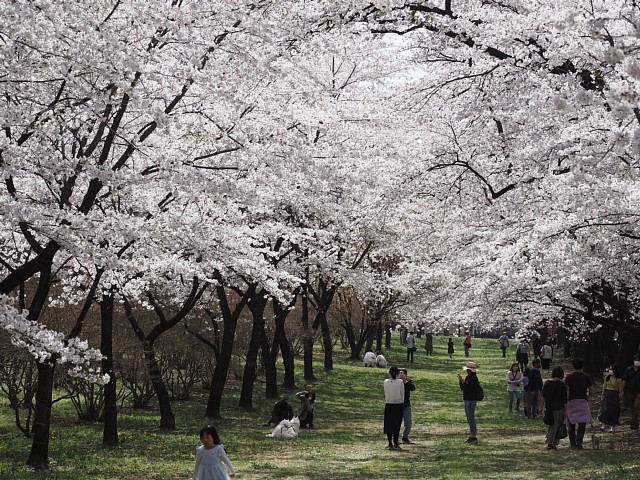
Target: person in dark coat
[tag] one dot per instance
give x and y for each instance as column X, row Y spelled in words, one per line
column 470, row 386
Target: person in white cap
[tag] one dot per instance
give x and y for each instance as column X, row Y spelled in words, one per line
column 471, row 393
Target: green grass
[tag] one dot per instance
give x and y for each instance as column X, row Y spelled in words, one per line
column 347, row 442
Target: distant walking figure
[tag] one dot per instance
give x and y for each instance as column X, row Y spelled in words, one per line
column 450, row 349
column 428, row 344
column 411, row 347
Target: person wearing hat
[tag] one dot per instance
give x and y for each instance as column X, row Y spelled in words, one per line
column 470, row 386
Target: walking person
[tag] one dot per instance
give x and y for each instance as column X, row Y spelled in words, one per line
column 504, row 343
column 411, row 347
column 546, row 354
column 631, row 388
column 579, row 386
column 450, row 349
column 554, row 400
column 471, row 392
column 522, row 354
column 535, row 389
column 610, row 399
column 210, row 456
column 467, row 343
column 536, row 345
column 406, row 408
column 428, row 344
column 514, row 383
column 393, row 407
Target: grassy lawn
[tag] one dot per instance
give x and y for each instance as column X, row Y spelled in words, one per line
column 347, row 442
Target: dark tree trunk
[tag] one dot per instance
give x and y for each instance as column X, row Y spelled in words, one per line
column 628, row 346
column 280, row 339
column 269, row 359
column 387, row 336
column 324, row 298
column 281, row 342
column 219, row 377
column 307, row 338
column 349, row 331
column 369, row 345
column 327, row 343
column 39, row 455
column 594, row 354
column 257, row 305
column 110, row 431
column 167, row 418
column 356, row 345
column 379, row 332
column 230, row 319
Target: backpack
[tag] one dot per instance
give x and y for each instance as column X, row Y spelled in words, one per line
column 480, row 393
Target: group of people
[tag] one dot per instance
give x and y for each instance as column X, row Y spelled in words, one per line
column 411, row 345
column 567, row 403
column 540, row 350
column 524, row 388
column 211, row 456
column 397, row 407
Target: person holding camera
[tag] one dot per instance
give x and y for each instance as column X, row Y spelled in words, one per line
column 471, row 392
column 307, row 407
column 406, row 409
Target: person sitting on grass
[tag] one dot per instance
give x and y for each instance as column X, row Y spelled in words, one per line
column 307, row 407
column 281, row 410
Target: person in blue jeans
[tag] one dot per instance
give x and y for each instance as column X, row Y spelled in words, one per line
column 470, row 386
column 514, row 382
column 406, row 409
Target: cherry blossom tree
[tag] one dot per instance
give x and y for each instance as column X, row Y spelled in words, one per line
column 532, row 113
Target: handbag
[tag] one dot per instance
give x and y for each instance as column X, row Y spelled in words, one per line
column 562, row 431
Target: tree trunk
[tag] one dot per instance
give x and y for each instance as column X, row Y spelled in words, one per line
column 628, row 346
column 39, row 455
column 379, row 332
column 250, row 366
column 351, row 338
column 387, row 336
column 280, row 339
column 269, row 359
column 110, row 431
column 167, row 419
column 307, row 339
column 220, row 372
column 594, row 354
column 281, row 342
column 327, row 342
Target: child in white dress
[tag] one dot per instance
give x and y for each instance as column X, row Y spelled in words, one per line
column 210, row 456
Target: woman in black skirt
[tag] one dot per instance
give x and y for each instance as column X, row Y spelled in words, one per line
column 394, row 404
